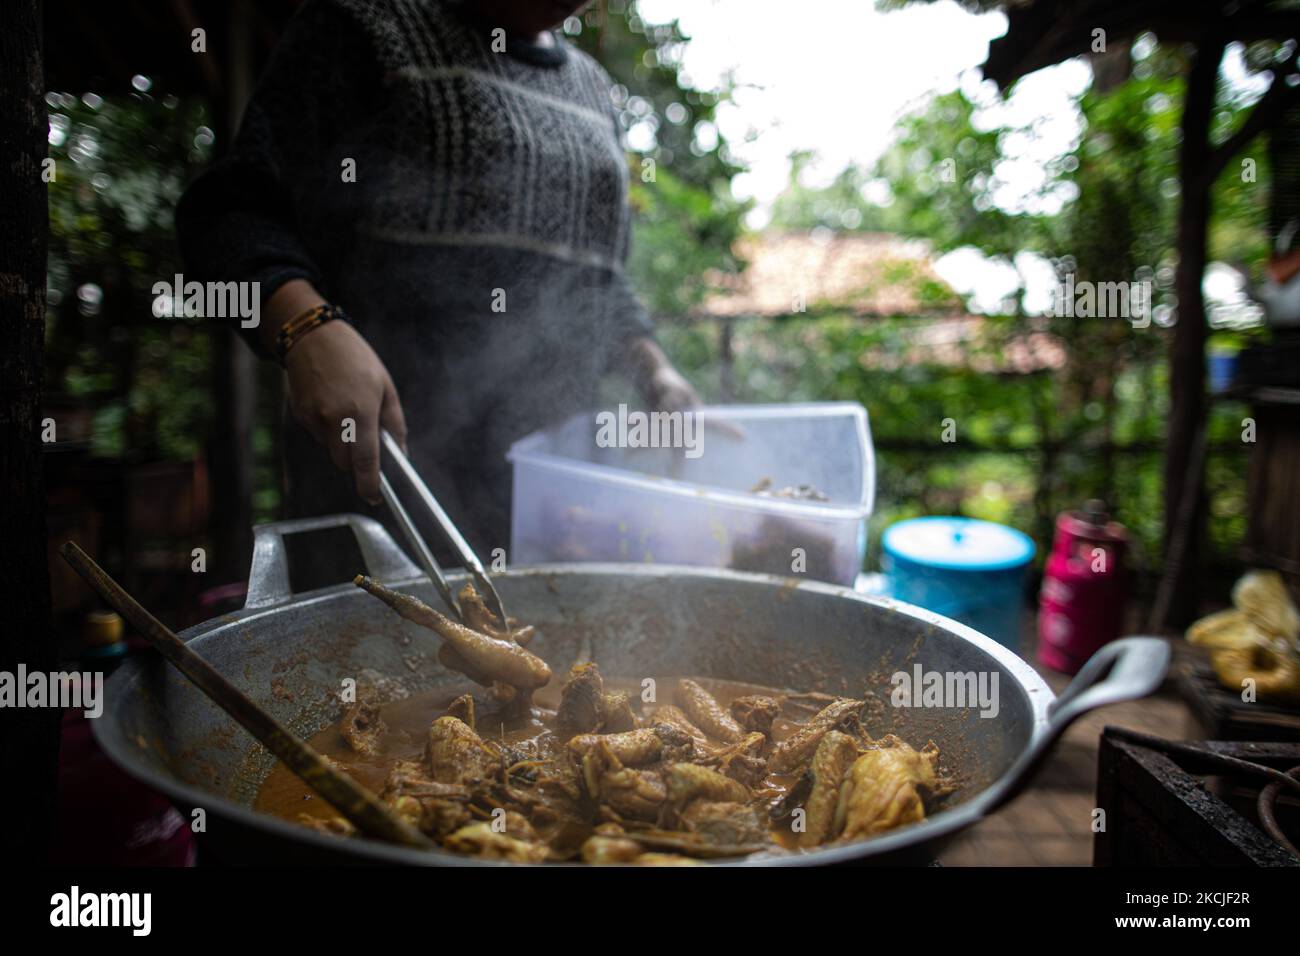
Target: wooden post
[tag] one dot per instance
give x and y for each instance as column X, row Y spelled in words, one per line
column 230, row 450
column 29, row 737
column 726, row 361
column 1184, row 474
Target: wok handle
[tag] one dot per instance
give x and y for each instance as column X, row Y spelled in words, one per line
column 1126, row 669
column 268, row 578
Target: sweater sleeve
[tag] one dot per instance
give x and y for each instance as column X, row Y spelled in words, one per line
column 237, row 221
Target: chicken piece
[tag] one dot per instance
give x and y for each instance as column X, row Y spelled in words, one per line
column 477, row 616
column 724, row 823
column 831, row 761
column 586, row 708
column 518, row 826
column 457, row 755
column 431, row 807
column 616, row 713
column 882, row 790
column 499, row 659
column 633, row 794
column 411, row 778
column 431, row 815
column 462, row 708
column 479, row 839
column 705, row 712
column 609, row 849
column 579, row 708
column 676, row 717
column 742, row 761
column 629, row 792
column 756, row 713
column 363, row 728
column 799, row 747
column 449, row 658
column 689, row 781
column 636, row 748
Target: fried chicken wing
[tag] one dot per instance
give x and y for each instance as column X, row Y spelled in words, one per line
column 688, row 781
column 741, row 761
column 831, row 761
column 629, row 792
column 586, row 708
column 755, row 713
column 457, row 755
column 724, row 823
column 705, row 712
column 493, row 657
column 632, row 794
column 636, row 748
column 479, row 839
column 363, row 728
column 883, row 789
column 676, row 717
column 798, row 748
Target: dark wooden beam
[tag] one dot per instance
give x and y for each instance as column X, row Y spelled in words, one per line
column 230, row 447
column 29, row 737
column 1045, row 33
column 1184, row 469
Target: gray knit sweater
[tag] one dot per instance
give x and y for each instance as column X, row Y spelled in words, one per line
column 483, row 180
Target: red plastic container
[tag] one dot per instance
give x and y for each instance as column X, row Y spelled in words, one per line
column 1081, row 604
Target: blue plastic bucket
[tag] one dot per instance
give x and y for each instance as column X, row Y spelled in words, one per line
column 969, row 570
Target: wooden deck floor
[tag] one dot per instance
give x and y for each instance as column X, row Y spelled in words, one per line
column 1050, row 824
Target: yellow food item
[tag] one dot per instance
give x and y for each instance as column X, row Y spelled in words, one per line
column 1257, row 640
column 882, row 789
column 1276, row 676
column 1262, row 597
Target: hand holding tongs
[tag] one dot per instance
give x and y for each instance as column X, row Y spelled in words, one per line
column 422, row 553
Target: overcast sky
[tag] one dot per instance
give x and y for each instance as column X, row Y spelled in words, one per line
column 835, row 76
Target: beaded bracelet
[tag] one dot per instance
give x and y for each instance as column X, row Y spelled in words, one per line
column 292, row 331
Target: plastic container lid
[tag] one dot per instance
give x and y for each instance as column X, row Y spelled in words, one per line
column 958, row 544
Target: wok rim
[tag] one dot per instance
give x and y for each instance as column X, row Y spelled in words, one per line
column 119, row 686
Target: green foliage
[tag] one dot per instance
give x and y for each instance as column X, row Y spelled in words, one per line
column 120, row 166
column 1094, row 427
column 842, row 206
column 686, row 220
column 943, row 172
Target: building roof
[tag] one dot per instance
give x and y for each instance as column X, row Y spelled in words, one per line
column 863, row 273
column 875, row 275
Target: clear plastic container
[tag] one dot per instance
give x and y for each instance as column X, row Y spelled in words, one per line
column 577, row 501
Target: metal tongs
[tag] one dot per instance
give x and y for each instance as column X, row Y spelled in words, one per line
column 422, row 553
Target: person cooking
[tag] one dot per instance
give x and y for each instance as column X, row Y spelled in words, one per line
column 432, row 195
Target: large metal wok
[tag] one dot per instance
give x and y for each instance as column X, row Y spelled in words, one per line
column 291, row 652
